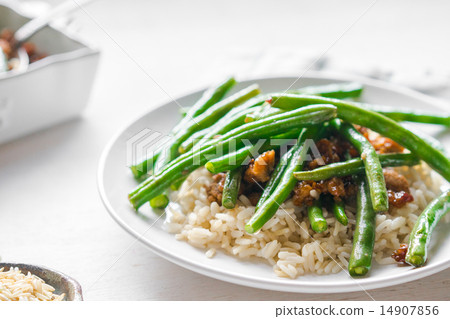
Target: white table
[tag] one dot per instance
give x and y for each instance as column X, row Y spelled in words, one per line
column 50, row 211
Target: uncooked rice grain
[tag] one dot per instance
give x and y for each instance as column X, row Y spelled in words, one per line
column 287, row 241
column 16, row 286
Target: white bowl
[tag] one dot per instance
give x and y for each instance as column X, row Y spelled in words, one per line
column 50, row 91
column 115, row 181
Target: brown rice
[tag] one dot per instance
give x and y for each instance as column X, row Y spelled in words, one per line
column 287, row 242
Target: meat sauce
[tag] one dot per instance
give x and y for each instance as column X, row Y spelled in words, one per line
column 332, row 150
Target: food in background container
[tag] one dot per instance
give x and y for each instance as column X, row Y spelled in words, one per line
column 8, row 58
column 57, row 87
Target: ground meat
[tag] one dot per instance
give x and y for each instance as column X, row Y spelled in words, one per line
column 329, row 152
column 400, row 254
column 398, row 188
column 335, row 186
column 385, row 145
column 215, row 190
column 395, row 181
column 363, row 130
column 259, row 169
column 306, row 192
column 381, row 144
column 302, row 192
column 399, row 199
column 332, row 150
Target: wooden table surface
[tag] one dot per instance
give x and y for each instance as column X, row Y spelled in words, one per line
column 50, row 211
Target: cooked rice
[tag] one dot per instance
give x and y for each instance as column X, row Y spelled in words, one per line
column 16, row 286
column 287, row 242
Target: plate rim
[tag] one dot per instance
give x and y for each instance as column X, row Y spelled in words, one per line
column 290, row 285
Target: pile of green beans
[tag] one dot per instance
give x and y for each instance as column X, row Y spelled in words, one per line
column 208, row 99
column 372, row 165
column 352, row 113
column 209, row 103
column 234, row 118
column 286, row 184
column 237, row 158
column 263, row 128
column 205, row 119
column 247, row 122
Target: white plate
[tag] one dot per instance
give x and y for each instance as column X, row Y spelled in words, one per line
column 115, row 181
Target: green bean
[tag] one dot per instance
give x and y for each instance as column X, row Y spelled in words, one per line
column 140, row 170
column 285, row 186
column 239, row 157
column 264, row 128
column 231, row 188
column 338, row 209
column 203, row 112
column 408, row 115
column 364, row 236
column 260, row 112
column 160, row 201
column 372, row 165
column 192, row 140
column 229, row 121
column 420, row 236
column 336, row 90
column 201, row 120
column 316, row 219
column 209, row 98
column 275, row 178
column 204, row 120
column 272, row 126
column 427, row 138
column 385, row 126
column 355, row 166
column 418, row 118
column 279, row 170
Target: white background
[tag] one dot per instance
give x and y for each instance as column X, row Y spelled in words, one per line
column 50, row 211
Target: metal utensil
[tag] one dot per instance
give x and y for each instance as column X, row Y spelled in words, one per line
column 36, row 24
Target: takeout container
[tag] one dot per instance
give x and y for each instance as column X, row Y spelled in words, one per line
column 52, row 90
